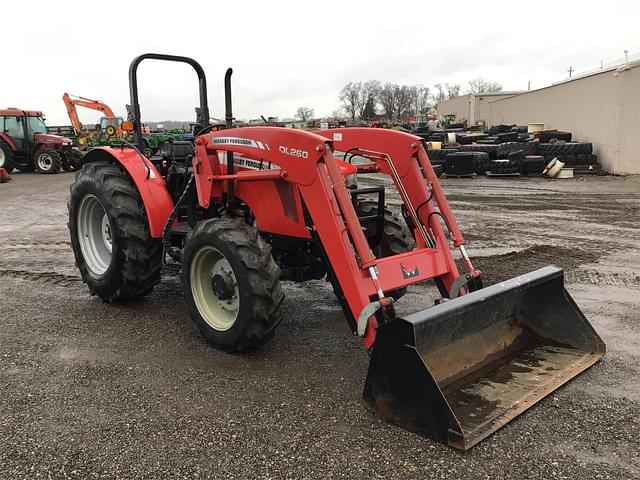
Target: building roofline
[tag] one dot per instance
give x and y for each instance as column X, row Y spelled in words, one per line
column 618, row 69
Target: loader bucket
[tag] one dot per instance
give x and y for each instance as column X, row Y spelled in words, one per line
column 460, row 370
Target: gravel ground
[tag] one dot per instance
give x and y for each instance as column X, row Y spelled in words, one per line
column 90, row 390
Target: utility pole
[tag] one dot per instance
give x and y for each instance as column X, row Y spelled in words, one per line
column 571, row 70
column 529, row 85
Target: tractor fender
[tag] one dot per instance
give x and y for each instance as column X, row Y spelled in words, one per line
column 153, row 190
column 9, row 140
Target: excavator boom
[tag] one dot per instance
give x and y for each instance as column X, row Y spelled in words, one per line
column 73, row 101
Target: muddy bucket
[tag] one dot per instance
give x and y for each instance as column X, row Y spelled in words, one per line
column 460, row 370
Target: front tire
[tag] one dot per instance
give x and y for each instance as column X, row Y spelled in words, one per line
column 71, row 161
column 48, row 161
column 114, row 251
column 231, row 284
column 7, row 159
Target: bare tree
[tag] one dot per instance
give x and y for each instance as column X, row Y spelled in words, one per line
column 480, row 85
column 304, row 113
column 453, row 91
column 405, row 100
column 387, row 98
column 439, row 95
column 369, row 111
column 368, row 96
column 421, row 99
column 351, row 98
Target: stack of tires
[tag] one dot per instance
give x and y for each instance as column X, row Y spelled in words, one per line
column 462, row 164
column 572, row 154
column 489, row 149
column 510, row 157
column 437, row 156
column 533, row 164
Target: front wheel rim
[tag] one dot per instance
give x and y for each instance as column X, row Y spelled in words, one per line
column 220, row 312
column 94, row 235
column 45, row 162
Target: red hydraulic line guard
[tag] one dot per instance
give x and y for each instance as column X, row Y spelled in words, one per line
column 367, row 259
column 438, row 195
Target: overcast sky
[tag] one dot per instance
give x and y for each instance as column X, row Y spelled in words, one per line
column 289, row 54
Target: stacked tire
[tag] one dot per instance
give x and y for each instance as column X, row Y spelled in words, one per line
column 572, row 154
column 504, row 166
column 547, row 135
column 466, row 163
column 533, row 164
column 437, row 157
column 490, row 150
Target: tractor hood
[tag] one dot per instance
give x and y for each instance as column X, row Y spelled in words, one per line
column 48, row 138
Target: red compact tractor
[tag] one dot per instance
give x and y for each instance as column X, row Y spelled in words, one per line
column 244, row 207
column 26, row 145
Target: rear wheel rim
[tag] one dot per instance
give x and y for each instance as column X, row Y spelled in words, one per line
column 45, row 161
column 94, row 234
column 2, row 158
column 218, row 311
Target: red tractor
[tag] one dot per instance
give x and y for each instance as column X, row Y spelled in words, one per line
column 244, row 206
column 26, row 145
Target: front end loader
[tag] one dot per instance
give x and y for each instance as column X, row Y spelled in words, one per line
column 241, row 207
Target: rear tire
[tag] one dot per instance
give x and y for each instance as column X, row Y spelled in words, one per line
column 396, row 237
column 47, row 161
column 114, row 251
column 231, row 284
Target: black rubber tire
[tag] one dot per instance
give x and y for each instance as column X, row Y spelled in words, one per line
column 71, row 162
column 565, row 148
column 499, row 129
column 396, row 238
column 136, row 256
column 533, row 164
column 516, row 155
column 507, row 137
column 547, row 135
column 257, row 275
column 460, row 163
column 56, row 161
column 504, row 149
column 437, row 156
column 504, row 167
column 9, row 157
column 491, row 150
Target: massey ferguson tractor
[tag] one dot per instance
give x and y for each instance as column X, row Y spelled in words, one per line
column 26, row 145
column 242, row 208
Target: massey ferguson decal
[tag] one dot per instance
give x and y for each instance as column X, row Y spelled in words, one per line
column 407, row 274
column 250, row 163
column 293, row 152
column 243, row 142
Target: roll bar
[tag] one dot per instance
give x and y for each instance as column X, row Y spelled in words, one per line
column 133, row 110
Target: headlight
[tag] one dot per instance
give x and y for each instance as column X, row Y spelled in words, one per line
column 352, row 181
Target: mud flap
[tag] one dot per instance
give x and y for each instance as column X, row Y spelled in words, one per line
column 460, row 370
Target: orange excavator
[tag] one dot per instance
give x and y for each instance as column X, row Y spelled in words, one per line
column 109, row 123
